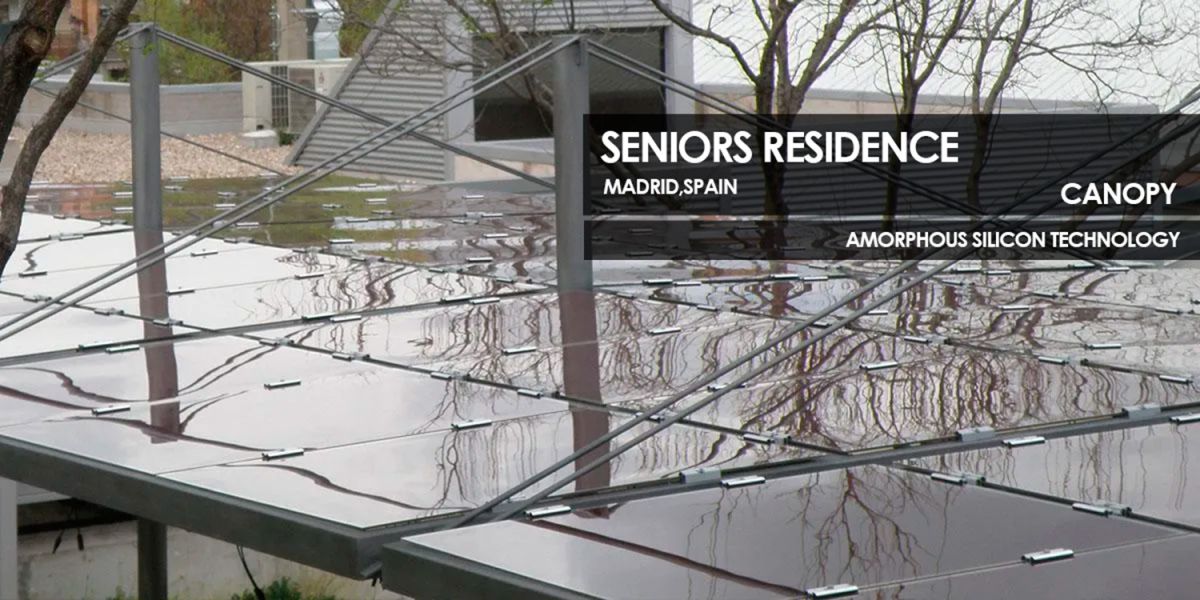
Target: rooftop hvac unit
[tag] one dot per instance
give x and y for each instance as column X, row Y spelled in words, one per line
column 280, row 112
column 269, row 105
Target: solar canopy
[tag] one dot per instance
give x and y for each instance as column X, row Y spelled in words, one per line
column 322, row 403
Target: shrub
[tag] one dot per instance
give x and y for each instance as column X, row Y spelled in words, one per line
column 282, row 589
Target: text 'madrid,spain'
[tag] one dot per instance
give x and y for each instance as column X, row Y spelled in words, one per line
column 855, row 186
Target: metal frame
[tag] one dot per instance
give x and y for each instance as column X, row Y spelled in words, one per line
column 452, row 576
column 571, row 102
column 339, row 549
column 676, row 415
column 329, row 101
column 9, row 583
column 208, row 227
column 145, row 125
column 354, row 552
column 430, row 574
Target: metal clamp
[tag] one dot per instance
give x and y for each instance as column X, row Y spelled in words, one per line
column 285, row 383
column 974, row 434
column 1045, row 556
column 879, row 366
column 700, row 475
column 837, row 590
column 1141, row 411
column 471, row 424
column 1020, row 442
column 547, row 511
column 101, row 411
column 285, row 453
column 738, row 482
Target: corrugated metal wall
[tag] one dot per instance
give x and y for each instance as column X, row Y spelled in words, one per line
column 393, row 79
column 386, row 81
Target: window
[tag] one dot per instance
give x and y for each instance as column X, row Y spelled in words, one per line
column 507, row 111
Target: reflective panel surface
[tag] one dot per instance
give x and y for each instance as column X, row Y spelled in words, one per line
column 929, row 394
column 190, row 371
column 318, row 295
column 1155, row 569
column 466, row 331
column 38, row 227
column 351, row 404
column 1153, row 470
column 863, row 527
column 378, row 483
column 71, row 327
column 221, row 265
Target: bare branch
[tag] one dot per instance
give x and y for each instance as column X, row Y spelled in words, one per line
column 12, row 195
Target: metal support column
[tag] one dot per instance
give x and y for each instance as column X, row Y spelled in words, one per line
column 570, row 160
column 146, row 127
column 152, row 560
column 8, row 539
column 147, row 217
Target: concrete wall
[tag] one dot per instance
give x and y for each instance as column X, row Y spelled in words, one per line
column 186, row 109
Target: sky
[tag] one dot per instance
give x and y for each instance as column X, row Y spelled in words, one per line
column 1160, row 76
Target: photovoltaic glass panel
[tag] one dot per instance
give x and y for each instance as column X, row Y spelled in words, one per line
column 1152, row 470
column 1154, row 569
column 863, row 527
column 320, row 295
column 221, row 265
column 352, row 404
column 933, row 395
column 37, row 227
column 191, row 371
column 466, row 331
column 380, row 483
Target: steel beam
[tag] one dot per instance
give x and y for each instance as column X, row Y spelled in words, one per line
column 146, row 124
column 152, row 560
column 570, row 159
column 8, row 539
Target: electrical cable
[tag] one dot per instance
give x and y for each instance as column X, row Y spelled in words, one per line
column 258, row 592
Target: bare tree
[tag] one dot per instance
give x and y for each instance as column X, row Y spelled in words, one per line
column 910, row 45
column 794, row 45
column 1007, row 43
column 20, row 56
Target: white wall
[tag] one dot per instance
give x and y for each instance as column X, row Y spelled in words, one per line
column 198, row 567
column 186, row 109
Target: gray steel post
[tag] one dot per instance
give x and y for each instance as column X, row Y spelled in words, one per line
column 152, row 560
column 146, row 126
column 8, row 539
column 570, row 160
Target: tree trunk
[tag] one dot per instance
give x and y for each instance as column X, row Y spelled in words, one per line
column 15, row 79
column 26, row 46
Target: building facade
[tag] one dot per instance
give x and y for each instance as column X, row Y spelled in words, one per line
column 419, row 52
